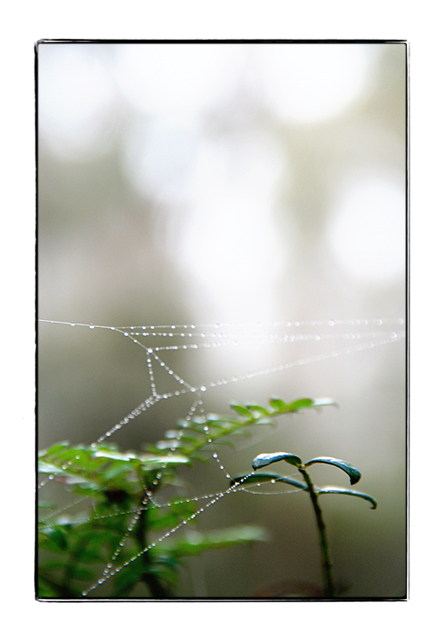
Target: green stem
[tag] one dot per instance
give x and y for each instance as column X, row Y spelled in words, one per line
column 148, row 577
column 326, row 563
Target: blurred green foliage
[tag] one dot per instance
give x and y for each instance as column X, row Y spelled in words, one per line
column 121, row 529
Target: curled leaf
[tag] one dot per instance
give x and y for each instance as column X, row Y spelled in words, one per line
column 256, row 478
column 265, row 459
column 348, row 492
column 353, row 473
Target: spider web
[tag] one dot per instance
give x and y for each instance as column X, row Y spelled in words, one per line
column 158, row 344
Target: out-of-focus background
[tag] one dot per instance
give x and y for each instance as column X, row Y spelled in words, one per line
column 219, row 183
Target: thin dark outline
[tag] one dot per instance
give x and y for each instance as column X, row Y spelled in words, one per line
column 56, row 41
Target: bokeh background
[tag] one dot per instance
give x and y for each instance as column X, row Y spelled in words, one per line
column 245, row 182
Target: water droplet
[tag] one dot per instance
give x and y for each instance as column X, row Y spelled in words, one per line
column 203, row 388
column 317, row 337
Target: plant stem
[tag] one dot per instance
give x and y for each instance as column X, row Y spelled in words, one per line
column 149, row 578
column 326, row 563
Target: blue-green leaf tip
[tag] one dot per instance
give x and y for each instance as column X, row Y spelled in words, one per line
column 353, row 473
column 265, row 459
